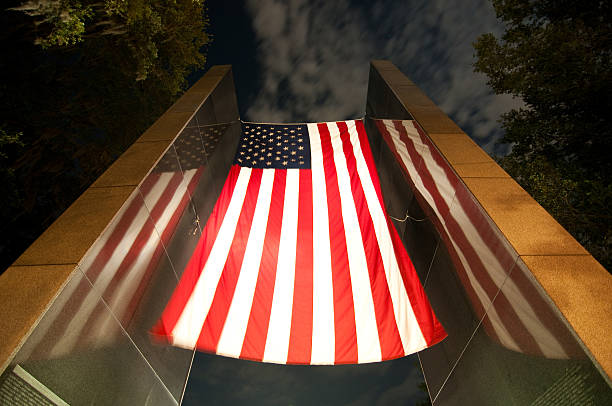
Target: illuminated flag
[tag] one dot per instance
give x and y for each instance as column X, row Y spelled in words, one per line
column 520, row 318
column 298, row 262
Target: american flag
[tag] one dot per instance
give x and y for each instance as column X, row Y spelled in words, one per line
column 120, row 265
column 519, row 318
column 298, row 263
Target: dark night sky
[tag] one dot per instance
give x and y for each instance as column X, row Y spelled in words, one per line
column 301, row 60
column 308, row 61
column 217, row 380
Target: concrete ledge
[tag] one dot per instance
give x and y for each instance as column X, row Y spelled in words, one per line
column 71, row 235
column 132, row 166
column 458, row 148
column 434, row 121
column 166, row 127
column 529, row 228
column 390, row 73
column 217, row 70
column 480, row 170
column 422, row 108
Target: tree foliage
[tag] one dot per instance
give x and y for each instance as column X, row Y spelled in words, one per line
column 79, row 102
column 556, row 56
column 10, row 141
column 62, row 21
column 163, row 37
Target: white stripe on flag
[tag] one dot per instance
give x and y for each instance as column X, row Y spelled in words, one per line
column 323, row 330
column 189, row 324
column 407, row 324
column 368, row 343
column 234, row 329
column 279, row 328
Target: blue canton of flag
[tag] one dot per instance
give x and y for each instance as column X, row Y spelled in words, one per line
column 269, row 146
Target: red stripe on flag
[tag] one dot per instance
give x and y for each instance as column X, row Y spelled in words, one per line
column 388, row 334
column 432, row 330
column 344, row 310
column 224, row 294
column 369, row 159
column 163, row 328
column 300, row 339
column 257, row 328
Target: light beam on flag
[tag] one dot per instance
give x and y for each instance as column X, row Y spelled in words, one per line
column 298, row 262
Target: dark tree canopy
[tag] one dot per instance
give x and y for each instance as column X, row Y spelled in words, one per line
column 556, row 56
column 82, row 80
column 162, row 37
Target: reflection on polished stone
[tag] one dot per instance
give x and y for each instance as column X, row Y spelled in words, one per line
column 83, row 365
column 502, row 330
column 93, row 344
column 525, row 352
